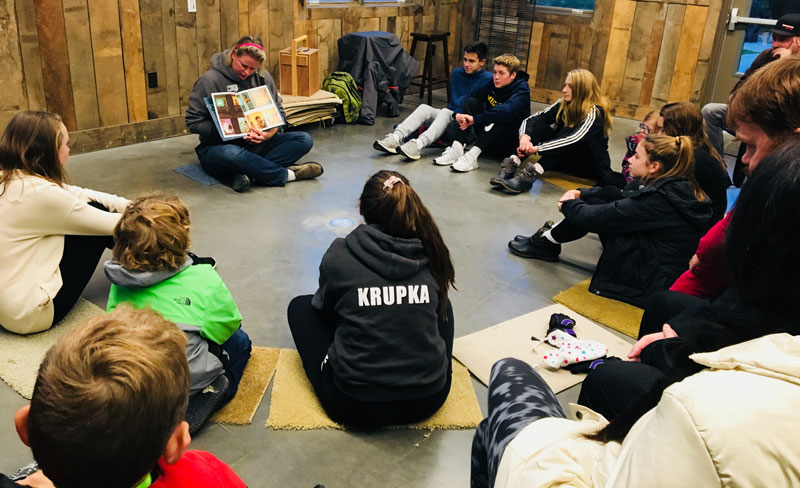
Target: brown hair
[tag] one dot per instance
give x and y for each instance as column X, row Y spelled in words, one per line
column 770, row 99
column 152, row 234
column 258, row 54
column 586, row 93
column 676, row 155
column 509, row 61
column 686, row 119
column 108, row 396
column 400, row 212
column 30, row 145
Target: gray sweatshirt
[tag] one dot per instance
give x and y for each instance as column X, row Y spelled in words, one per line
column 384, row 301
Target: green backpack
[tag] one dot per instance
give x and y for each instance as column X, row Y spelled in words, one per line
column 342, row 84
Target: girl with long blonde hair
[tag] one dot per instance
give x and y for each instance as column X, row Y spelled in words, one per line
column 570, row 136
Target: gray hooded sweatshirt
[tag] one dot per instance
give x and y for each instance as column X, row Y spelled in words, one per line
column 384, row 301
column 221, row 78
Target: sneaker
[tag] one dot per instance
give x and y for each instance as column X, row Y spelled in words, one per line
column 507, row 169
column 465, row 163
column 240, row 182
column 547, row 226
column 307, row 171
column 204, row 403
column 410, row 150
column 449, row 156
column 523, row 181
column 536, row 247
column 388, row 144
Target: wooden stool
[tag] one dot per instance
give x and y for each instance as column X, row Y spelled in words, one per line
column 427, row 78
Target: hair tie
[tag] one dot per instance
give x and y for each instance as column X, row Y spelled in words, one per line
column 678, row 141
column 390, row 182
column 249, row 44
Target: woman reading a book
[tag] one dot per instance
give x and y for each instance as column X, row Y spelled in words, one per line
column 266, row 157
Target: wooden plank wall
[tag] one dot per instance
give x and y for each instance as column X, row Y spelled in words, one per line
column 91, row 60
column 644, row 53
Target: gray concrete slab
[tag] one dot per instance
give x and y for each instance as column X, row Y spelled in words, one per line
column 268, row 244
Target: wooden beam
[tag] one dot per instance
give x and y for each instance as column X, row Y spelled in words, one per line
column 135, row 85
column 108, row 63
column 122, row 135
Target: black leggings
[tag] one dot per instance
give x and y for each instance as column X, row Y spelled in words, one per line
column 80, row 258
column 313, row 335
column 565, row 231
column 663, row 307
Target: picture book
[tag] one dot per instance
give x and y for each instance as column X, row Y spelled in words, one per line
column 235, row 114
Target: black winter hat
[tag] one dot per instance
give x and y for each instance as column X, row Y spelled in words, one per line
column 788, row 25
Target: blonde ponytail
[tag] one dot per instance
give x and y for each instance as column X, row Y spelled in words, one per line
column 676, row 156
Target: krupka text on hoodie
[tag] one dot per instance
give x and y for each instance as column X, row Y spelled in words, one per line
column 393, row 295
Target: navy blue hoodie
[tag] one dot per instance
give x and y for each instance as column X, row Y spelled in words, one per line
column 509, row 104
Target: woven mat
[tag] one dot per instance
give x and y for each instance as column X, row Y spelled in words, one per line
column 512, row 338
column 254, row 383
column 612, row 313
column 294, row 406
column 566, row 181
column 22, row 354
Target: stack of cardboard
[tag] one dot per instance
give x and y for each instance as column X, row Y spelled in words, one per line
column 318, row 107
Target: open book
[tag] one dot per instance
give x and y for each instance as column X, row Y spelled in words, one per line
column 235, row 114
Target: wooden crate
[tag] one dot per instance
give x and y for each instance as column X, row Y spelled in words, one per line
column 307, row 72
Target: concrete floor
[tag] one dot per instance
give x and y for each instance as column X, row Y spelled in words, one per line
column 268, row 244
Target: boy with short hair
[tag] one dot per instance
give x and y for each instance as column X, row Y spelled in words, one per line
column 490, row 116
column 108, row 406
column 153, row 267
column 462, row 80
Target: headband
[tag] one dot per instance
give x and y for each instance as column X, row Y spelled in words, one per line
column 249, row 44
column 390, row 182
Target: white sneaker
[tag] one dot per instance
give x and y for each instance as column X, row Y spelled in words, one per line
column 467, row 162
column 450, row 155
column 388, row 144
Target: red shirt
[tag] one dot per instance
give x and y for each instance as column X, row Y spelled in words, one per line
column 197, row 469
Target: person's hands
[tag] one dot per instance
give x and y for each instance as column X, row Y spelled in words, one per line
column 525, row 146
column 781, row 52
column 570, row 195
column 464, row 121
column 693, row 262
column 666, row 333
column 257, row 137
column 37, row 480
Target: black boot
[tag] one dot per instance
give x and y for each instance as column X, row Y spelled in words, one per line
column 547, row 226
column 523, row 181
column 507, row 169
column 537, row 247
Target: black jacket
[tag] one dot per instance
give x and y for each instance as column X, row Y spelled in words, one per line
column 589, row 133
column 648, row 234
column 509, row 104
column 714, row 181
column 384, row 302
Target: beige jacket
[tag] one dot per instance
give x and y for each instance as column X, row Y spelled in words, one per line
column 732, row 425
column 35, row 215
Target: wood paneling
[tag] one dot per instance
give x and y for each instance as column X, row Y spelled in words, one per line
column 29, row 50
column 107, row 48
column 12, row 82
column 130, row 23
column 55, row 60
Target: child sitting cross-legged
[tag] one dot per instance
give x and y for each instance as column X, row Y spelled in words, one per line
column 153, row 268
column 108, row 406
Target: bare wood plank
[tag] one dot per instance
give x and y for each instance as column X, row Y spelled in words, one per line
column 638, row 50
column 326, row 43
column 228, row 22
column 328, row 12
column 244, row 18
column 404, row 25
column 154, row 57
column 601, row 28
column 654, row 51
column 534, row 51
column 31, row 56
column 171, row 78
column 125, row 134
column 12, row 82
column 350, row 21
column 391, row 25
column 384, row 24
column 668, row 54
column 688, row 51
column 618, row 42
column 108, row 64
column 369, row 24
column 81, row 62
column 577, row 38
column 135, row 87
column 544, row 53
column 456, row 51
column 556, row 69
column 259, row 21
column 700, row 86
column 208, row 32
column 55, row 64
column 185, row 36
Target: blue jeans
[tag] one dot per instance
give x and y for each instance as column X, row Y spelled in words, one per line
column 264, row 163
column 235, row 354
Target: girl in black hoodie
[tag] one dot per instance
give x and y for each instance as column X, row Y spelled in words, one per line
column 649, row 229
column 376, row 339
